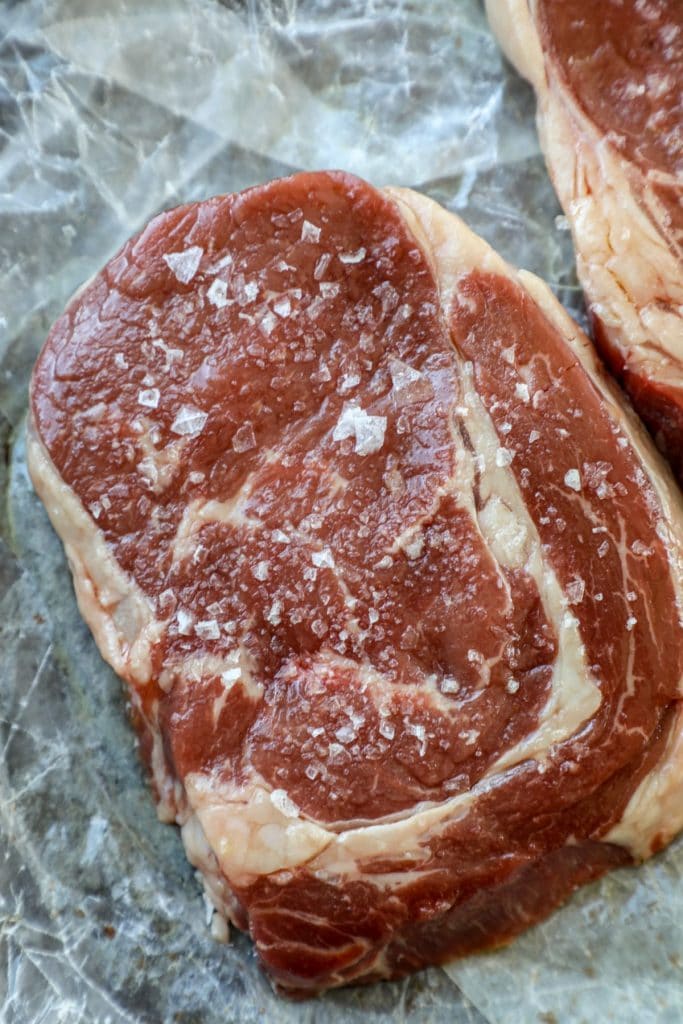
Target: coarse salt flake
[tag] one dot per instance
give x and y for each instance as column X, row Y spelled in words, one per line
column 323, row 559
column 244, row 439
column 387, row 729
column 184, row 621
column 504, row 457
column 575, row 590
column 631, row 622
column 310, row 232
column 149, row 398
column 207, row 629
column 367, row 430
column 572, row 479
column 189, row 421
column 353, row 257
column 274, row 613
column 449, row 685
column 261, row 570
column 185, row 264
column 218, row 294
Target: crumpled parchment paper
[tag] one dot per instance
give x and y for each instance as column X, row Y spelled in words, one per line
column 109, row 112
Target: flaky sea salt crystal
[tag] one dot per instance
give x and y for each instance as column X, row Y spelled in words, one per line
column 367, row 430
column 261, row 570
column 387, row 729
column 274, row 613
column 184, row 621
column 244, row 439
column 207, row 629
column 512, row 685
column 631, row 622
column 572, row 479
column 522, row 392
column 283, row 307
column 321, row 265
column 408, row 384
column 328, row 289
column 185, row 264
column 149, row 398
column 310, row 232
column 504, row 457
column 323, row 559
column 268, row 322
column 218, row 294
column 120, row 361
column 189, row 421
column 449, row 685
column 348, row 382
column 353, row 257
column 575, row 590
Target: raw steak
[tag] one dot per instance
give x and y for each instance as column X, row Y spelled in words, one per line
column 609, row 83
column 392, row 574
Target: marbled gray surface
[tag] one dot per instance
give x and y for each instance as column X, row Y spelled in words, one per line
column 110, row 111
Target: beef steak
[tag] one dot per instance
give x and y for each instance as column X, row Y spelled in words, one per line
column 392, row 573
column 609, row 83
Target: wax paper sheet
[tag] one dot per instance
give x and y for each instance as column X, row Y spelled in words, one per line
column 109, row 112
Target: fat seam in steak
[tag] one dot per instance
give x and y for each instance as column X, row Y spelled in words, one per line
column 392, row 572
column 608, row 79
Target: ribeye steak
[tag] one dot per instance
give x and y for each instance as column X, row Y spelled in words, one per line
column 609, row 83
column 392, row 573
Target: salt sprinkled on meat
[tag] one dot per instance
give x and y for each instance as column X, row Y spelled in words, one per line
column 603, row 549
column 207, row 629
column 322, row 265
column 323, row 559
column 218, row 294
column 120, row 361
column 184, row 264
column 274, row 613
column 189, row 421
column 575, row 591
column 184, row 620
column 409, row 385
column 328, row 289
column 353, row 257
column 387, row 730
column 244, row 438
column 261, row 570
column 348, row 382
column 504, row 457
column 283, row 307
column 367, row 430
column 522, row 392
column 310, row 232
column 572, row 479
column 631, row 622
column 512, row 685
column 449, row 685
column 267, row 323
column 149, row 398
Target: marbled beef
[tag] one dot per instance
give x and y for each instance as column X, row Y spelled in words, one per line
column 392, row 574
column 609, row 82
